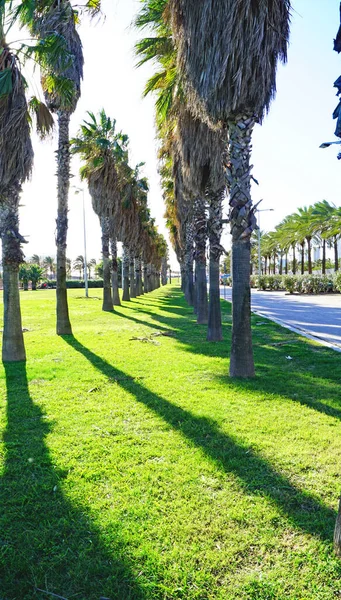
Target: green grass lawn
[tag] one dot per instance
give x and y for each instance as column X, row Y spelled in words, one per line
column 138, row 470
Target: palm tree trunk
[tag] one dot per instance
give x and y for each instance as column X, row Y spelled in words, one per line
column 302, row 259
column 132, row 277
column 215, row 216
column 149, row 283
column 336, row 255
column 164, row 271
column 107, row 297
column 13, row 348
column 126, row 262
column 242, row 224
column 63, row 160
column 114, row 272
column 138, row 279
column 323, row 257
column 286, row 263
column 145, row 279
column 200, row 237
column 265, row 265
column 189, row 283
column 294, row 259
column 310, row 266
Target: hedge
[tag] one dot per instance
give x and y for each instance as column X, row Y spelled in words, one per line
column 77, row 284
column 301, row 284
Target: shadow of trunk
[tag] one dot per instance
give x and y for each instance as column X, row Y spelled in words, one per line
column 46, row 542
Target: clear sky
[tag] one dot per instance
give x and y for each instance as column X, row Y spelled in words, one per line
column 290, row 167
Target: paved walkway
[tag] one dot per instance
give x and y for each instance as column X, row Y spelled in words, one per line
column 318, row 317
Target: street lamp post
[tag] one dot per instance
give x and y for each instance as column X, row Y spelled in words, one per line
column 78, row 191
column 259, row 210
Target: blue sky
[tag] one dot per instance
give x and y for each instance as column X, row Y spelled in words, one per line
column 290, row 167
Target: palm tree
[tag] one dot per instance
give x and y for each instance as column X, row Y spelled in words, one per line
column 201, row 149
column 79, row 265
column 49, row 265
column 24, row 275
column 200, row 153
column 62, row 98
column 103, row 151
column 91, row 263
column 15, row 168
column 306, row 228
column 229, row 74
column 35, row 260
column 323, row 215
column 36, row 274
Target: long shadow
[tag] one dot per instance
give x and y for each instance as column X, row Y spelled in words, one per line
column 301, row 385
column 45, row 541
column 256, row 475
column 140, row 321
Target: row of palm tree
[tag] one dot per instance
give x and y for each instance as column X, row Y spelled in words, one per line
column 315, row 225
column 119, row 196
column 54, row 44
column 49, row 265
column 216, row 79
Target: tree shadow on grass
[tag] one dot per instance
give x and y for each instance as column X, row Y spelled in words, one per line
column 314, row 383
column 140, row 321
column 256, row 476
column 45, row 541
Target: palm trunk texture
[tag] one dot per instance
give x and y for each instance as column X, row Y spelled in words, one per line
column 138, row 277
column 200, row 237
column 13, row 348
column 114, row 274
column 145, row 279
column 238, row 172
column 107, row 297
column 302, row 260
column 324, row 257
column 336, row 255
column 63, row 158
column 126, row 262
column 215, row 226
column 132, row 278
column 189, row 254
column 294, row 260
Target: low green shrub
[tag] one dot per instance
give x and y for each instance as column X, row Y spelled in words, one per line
column 262, row 282
column 289, row 282
column 275, row 282
column 77, row 283
column 337, row 282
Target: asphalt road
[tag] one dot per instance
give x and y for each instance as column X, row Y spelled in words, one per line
column 316, row 316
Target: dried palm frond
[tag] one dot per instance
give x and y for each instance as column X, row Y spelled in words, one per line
column 16, row 152
column 201, row 148
column 228, row 51
column 43, row 117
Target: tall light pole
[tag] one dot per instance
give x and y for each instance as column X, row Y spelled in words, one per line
column 78, row 191
column 259, row 210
